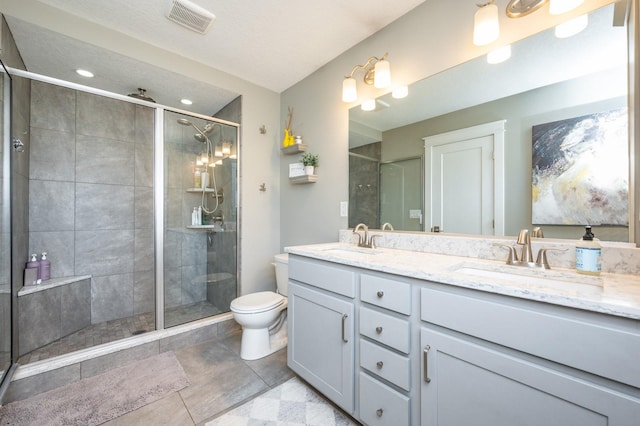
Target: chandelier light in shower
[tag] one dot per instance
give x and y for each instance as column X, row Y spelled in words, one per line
column 376, row 72
column 486, row 26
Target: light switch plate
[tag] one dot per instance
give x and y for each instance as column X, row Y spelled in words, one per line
column 344, row 208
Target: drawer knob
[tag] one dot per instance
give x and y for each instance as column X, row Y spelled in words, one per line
column 378, row 329
column 379, row 412
column 379, row 364
column 380, row 293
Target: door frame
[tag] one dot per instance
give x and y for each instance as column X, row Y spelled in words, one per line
column 495, row 129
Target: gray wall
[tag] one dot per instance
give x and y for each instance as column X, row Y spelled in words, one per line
column 433, row 37
column 91, row 195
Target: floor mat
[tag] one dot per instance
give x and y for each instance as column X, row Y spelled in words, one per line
column 291, row 403
column 101, row 398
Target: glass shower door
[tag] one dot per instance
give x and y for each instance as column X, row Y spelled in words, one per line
column 200, row 232
column 401, row 194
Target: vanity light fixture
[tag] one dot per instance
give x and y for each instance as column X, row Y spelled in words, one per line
column 558, row 7
column 368, row 105
column 486, row 26
column 500, row 54
column 226, row 148
column 84, row 73
column 400, row 92
column 572, row 26
column 376, row 71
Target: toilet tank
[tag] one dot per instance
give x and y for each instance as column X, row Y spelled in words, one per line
column 282, row 273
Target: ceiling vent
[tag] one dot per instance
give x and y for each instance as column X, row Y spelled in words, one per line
column 190, row 15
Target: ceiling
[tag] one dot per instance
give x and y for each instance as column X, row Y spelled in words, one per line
column 273, row 44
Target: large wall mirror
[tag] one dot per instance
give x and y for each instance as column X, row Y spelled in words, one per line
column 552, row 90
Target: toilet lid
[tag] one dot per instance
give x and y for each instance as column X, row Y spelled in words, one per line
column 257, row 302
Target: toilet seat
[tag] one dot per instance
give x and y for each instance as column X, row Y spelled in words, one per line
column 257, row 302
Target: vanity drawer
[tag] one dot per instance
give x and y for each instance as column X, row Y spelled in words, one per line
column 381, row 405
column 386, row 293
column 323, row 275
column 604, row 348
column 391, row 331
column 386, row 364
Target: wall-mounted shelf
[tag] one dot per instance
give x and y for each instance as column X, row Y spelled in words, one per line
column 303, row 179
column 202, row 227
column 294, row 149
column 199, row 190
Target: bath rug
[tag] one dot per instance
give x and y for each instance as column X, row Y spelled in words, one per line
column 291, row 403
column 100, row 398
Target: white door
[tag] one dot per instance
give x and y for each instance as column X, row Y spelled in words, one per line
column 464, row 189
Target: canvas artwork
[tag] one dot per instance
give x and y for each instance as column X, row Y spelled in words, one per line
column 581, row 170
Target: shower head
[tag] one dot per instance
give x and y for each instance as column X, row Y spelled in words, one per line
column 201, row 135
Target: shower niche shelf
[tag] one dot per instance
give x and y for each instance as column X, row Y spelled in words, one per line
column 294, row 149
column 298, row 180
column 202, row 227
column 199, row 190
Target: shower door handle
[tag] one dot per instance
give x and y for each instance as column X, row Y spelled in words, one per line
column 344, row 320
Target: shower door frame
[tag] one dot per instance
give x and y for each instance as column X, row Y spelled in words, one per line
column 158, row 176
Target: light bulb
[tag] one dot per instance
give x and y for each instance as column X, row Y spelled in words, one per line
column 572, row 26
column 226, row 148
column 368, row 105
column 382, row 76
column 400, row 92
column 486, row 27
column 349, row 91
column 500, row 54
column 558, row 7
column 218, row 151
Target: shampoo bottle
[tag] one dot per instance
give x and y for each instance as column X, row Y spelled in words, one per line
column 197, row 178
column 588, row 253
column 194, row 217
column 45, row 267
column 204, row 178
column 34, row 264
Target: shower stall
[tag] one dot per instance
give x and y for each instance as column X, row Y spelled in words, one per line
column 109, row 187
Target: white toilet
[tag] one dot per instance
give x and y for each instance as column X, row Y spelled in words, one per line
column 263, row 316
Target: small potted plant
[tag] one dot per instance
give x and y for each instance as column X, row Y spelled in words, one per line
column 310, row 162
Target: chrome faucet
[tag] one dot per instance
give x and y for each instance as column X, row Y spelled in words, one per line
column 526, row 257
column 387, row 225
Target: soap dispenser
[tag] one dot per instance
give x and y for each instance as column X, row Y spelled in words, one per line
column 588, row 254
column 34, row 264
column 45, row 267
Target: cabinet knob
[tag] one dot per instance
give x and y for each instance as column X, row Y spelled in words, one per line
column 379, row 412
column 380, row 293
column 378, row 329
column 379, row 364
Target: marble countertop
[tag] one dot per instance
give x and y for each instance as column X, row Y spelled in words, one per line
column 613, row 294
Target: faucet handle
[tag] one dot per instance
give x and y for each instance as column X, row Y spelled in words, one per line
column 512, row 257
column 541, row 260
column 372, row 241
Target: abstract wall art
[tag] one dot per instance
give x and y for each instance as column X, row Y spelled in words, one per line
column 581, row 170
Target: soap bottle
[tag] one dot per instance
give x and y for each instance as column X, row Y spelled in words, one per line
column 45, row 267
column 194, row 217
column 200, row 215
column 204, row 178
column 197, row 178
column 588, row 254
column 34, row 264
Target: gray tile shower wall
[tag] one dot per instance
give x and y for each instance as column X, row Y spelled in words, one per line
column 91, row 195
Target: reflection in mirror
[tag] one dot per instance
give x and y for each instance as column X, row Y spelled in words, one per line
column 547, row 79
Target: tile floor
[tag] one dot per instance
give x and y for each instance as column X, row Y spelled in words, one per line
column 220, row 381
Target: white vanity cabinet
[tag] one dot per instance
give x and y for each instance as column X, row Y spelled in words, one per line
column 502, row 362
column 321, row 343
column 385, row 345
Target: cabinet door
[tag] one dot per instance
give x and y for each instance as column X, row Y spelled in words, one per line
column 472, row 384
column 321, row 343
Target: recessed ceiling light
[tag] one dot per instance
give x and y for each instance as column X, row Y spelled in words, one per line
column 186, row 101
column 84, row 73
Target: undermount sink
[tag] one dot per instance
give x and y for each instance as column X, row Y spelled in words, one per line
column 532, row 276
column 350, row 250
